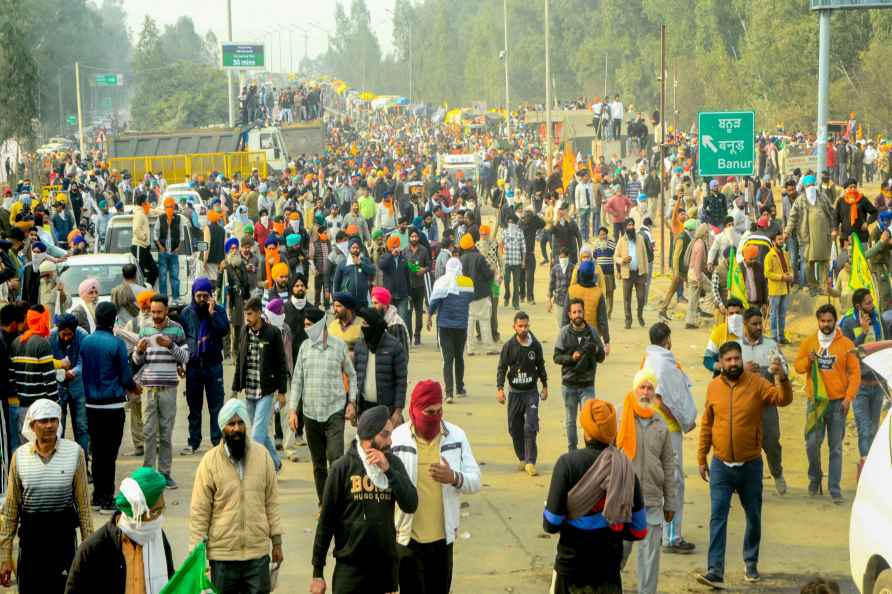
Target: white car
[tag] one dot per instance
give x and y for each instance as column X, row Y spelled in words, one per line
column 105, row 268
column 180, row 191
column 870, row 528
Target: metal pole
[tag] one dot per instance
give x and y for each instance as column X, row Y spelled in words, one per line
column 605, row 75
column 662, row 148
column 61, row 109
column 80, row 112
column 281, row 69
column 231, row 99
column 291, row 50
column 547, row 90
column 823, row 87
column 411, row 64
column 507, row 83
column 675, row 101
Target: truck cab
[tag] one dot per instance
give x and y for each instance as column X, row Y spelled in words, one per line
column 270, row 141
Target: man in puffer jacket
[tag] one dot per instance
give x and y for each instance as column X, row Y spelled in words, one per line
column 381, row 367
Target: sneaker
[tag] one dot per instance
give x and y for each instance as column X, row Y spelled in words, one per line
column 531, row 469
column 837, row 499
column 521, row 465
column 95, row 505
column 663, row 316
column 293, row 458
column 815, row 490
column 751, row 575
column 108, row 508
column 462, row 393
column 780, row 485
column 449, row 399
column 641, row 321
column 681, row 547
column 171, row 484
column 705, row 314
column 683, row 300
column 188, row 451
column 300, row 441
column 710, row 579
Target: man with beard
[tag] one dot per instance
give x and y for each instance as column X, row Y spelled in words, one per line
column 419, row 262
column 382, row 301
column 355, row 275
column 632, row 260
column 235, row 290
column 297, row 310
column 732, row 432
column 235, row 507
column 361, row 493
column 829, row 356
column 345, row 325
column 381, row 367
column 279, row 289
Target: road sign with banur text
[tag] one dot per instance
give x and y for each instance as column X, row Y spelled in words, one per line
column 726, row 143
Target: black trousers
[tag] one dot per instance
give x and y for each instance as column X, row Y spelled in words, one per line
column 416, row 308
column 452, row 344
column 350, row 579
column 321, row 288
column 325, row 440
column 513, row 275
column 106, row 429
column 530, row 275
column 42, row 566
column 425, row 568
column 241, row 577
column 146, row 263
column 568, row 585
column 523, row 423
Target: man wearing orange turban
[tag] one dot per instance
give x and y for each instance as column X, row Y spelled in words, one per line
column 754, row 277
column 595, row 503
column 215, row 236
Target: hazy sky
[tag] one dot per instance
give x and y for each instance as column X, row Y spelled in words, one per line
column 251, row 18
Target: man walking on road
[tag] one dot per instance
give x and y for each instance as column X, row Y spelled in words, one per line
column 731, row 431
column 441, row 466
column 235, row 506
column 833, row 378
column 317, row 388
column 365, row 486
column 160, row 351
column 632, row 259
column 523, row 363
column 578, row 350
column 206, row 327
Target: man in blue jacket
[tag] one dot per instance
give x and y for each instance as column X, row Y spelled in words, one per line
column 395, row 272
column 355, row 275
column 66, row 340
column 206, row 327
column 107, row 375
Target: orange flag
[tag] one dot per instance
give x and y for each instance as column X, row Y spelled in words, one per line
column 568, row 165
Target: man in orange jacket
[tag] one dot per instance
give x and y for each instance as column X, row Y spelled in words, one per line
column 734, row 434
column 833, row 376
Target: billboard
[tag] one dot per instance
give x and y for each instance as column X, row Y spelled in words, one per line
column 242, row 55
column 836, row 4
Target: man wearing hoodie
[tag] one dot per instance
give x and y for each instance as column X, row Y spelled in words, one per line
column 675, row 405
column 578, row 350
column 361, row 495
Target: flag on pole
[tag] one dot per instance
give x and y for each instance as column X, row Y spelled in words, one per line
column 736, row 286
column 568, row 165
column 861, row 278
column 817, row 405
column 191, row 577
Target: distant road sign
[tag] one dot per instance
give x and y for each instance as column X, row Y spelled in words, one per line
column 109, row 80
column 726, row 143
column 72, row 120
column 843, row 4
column 242, row 55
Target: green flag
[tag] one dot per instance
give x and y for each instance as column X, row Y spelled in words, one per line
column 191, row 577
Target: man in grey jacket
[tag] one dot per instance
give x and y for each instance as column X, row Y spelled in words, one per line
column 644, row 436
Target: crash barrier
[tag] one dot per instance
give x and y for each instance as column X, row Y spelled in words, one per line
column 178, row 167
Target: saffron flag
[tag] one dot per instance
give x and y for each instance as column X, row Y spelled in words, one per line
column 816, row 407
column 191, row 577
column 568, row 166
column 736, row 286
column 861, row 276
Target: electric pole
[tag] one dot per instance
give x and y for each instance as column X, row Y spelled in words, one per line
column 662, row 148
column 547, row 91
column 229, row 93
column 80, row 112
column 507, row 83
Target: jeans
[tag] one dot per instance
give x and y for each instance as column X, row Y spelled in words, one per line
column 169, row 264
column 523, row 423
column 204, row 382
column 159, row 413
column 796, row 260
column 106, row 426
column 241, row 577
column 325, row 440
column 513, row 273
column 724, row 481
column 13, row 423
column 425, row 568
column 77, row 404
column 402, row 308
column 584, row 217
column 834, row 425
column 573, row 399
column 778, row 305
column 868, row 406
column 452, row 343
column 260, row 411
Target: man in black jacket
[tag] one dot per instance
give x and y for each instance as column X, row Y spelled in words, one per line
column 380, row 352
column 358, row 510
column 296, row 309
column 474, row 265
column 578, row 350
column 261, row 371
column 566, row 234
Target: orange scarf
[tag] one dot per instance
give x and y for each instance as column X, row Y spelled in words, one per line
column 272, row 258
column 626, row 437
column 852, row 198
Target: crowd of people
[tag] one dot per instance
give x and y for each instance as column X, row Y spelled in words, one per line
column 384, row 261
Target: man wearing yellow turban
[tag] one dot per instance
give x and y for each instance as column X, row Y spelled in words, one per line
column 644, row 437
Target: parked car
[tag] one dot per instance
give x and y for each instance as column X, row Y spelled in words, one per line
column 870, row 526
column 105, row 268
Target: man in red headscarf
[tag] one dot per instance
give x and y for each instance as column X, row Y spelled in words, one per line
column 441, row 465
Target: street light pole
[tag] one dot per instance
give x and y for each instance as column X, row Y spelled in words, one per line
column 507, row 82
column 823, row 87
column 547, row 90
column 80, row 111
column 231, row 99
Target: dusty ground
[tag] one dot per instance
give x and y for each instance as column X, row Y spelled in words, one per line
column 503, row 548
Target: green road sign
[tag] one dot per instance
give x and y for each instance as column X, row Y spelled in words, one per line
column 844, row 4
column 107, row 80
column 72, row 120
column 242, row 55
column 726, row 145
